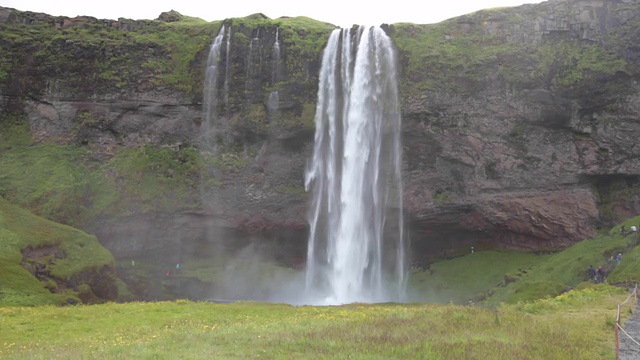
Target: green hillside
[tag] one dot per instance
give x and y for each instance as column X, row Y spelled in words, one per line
column 494, row 277
column 69, row 265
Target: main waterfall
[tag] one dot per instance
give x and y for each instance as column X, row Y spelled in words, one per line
column 356, row 250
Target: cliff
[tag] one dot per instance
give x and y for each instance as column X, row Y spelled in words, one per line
column 519, row 126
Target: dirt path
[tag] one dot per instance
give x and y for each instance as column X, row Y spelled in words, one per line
column 630, row 350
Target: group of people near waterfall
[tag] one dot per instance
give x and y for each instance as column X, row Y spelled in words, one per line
column 599, row 275
column 633, row 229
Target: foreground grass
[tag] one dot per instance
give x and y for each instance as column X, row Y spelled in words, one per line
column 576, row 325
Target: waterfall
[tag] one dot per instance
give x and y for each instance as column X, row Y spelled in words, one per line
column 356, row 250
column 274, row 97
column 272, row 104
column 210, row 127
column 275, row 67
column 226, row 74
column 253, row 81
column 210, row 100
column 254, row 66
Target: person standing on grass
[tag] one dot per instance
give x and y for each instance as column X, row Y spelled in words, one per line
column 592, row 273
column 600, row 274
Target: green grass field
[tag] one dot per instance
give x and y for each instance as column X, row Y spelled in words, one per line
column 577, row 325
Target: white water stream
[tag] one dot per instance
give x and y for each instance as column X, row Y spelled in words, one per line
column 356, row 249
column 210, row 99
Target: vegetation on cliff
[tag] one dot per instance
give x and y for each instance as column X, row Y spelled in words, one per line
column 471, row 52
column 60, row 176
column 122, row 56
column 126, row 57
column 66, row 184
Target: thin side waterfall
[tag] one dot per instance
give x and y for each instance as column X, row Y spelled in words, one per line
column 274, row 97
column 254, row 67
column 275, row 67
column 227, row 74
column 356, row 250
column 210, row 126
column 210, row 100
column 253, row 82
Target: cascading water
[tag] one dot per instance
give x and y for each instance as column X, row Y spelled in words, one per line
column 227, row 73
column 274, row 97
column 275, row 67
column 210, row 125
column 253, row 84
column 356, row 250
column 210, row 99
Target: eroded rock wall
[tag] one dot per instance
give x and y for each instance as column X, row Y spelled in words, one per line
column 526, row 144
column 520, row 124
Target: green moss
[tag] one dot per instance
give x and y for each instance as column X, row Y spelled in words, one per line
column 19, row 229
column 61, row 182
column 230, row 162
column 119, row 58
column 47, row 179
column 14, row 131
column 307, row 118
column 571, row 63
column 442, row 197
column 184, row 40
column 460, row 55
column 296, row 120
column 256, row 116
column 448, row 57
column 146, row 178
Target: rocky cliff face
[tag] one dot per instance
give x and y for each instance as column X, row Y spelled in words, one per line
column 520, row 124
column 532, row 141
